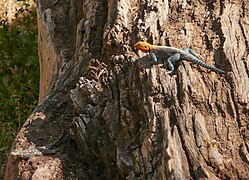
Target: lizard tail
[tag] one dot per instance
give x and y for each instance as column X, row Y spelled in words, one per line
column 201, row 63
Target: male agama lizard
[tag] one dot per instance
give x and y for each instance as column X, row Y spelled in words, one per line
column 173, row 55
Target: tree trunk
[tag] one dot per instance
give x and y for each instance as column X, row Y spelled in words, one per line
column 124, row 119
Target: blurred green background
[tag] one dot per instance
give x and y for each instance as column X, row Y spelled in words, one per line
column 19, row 74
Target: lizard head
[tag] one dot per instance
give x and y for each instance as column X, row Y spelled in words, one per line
column 17, row 152
column 143, row 46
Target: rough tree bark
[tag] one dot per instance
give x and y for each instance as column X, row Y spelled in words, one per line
column 125, row 120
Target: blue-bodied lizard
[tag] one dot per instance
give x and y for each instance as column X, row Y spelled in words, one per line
column 173, row 54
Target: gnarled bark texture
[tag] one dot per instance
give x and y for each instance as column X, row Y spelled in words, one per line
column 123, row 119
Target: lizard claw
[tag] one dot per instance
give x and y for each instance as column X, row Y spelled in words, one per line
column 170, row 72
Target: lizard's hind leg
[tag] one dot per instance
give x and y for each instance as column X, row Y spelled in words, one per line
column 171, row 62
column 191, row 51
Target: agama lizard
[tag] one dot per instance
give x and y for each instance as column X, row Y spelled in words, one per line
column 173, row 55
column 37, row 151
column 32, row 151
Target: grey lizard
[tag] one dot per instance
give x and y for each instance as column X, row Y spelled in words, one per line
column 174, row 55
column 36, row 151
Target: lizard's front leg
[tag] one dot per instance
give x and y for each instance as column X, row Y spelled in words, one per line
column 153, row 57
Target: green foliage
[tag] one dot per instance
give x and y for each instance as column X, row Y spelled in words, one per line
column 19, row 73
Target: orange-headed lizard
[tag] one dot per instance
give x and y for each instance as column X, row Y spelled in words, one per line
column 173, row 55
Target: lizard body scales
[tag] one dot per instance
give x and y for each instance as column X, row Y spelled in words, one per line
column 174, row 55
